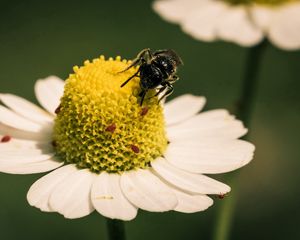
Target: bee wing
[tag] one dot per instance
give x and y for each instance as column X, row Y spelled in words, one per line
column 170, row 53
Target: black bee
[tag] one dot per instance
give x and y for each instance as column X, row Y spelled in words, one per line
column 157, row 70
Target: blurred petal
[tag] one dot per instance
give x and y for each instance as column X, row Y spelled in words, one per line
column 25, row 108
column 71, row 197
column 187, row 105
column 201, row 23
column 148, row 192
column 39, row 193
column 236, row 26
column 191, row 182
column 262, row 16
column 108, row 199
column 175, row 10
column 48, row 92
column 284, row 30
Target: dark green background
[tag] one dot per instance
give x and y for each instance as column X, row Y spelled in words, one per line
column 41, row 38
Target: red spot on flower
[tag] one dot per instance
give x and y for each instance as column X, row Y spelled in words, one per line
column 5, row 139
column 144, row 111
column 221, row 196
column 111, row 128
column 134, row 148
column 57, row 110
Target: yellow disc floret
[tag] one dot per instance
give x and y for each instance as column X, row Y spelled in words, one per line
column 101, row 126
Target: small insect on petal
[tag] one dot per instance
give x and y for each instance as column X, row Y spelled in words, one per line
column 221, row 196
column 144, row 111
column 5, row 139
column 111, row 128
column 135, row 148
column 57, row 110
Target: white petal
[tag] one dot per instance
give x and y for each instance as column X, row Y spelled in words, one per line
column 211, row 156
column 216, row 124
column 195, row 183
column 211, row 117
column 201, row 23
column 11, row 156
column 175, row 10
column 71, row 197
column 146, row 191
column 236, row 26
column 30, row 167
column 189, row 203
column 284, row 30
column 18, row 145
column 25, row 108
column 261, row 16
column 39, row 193
column 182, row 108
column 14, row 120
column 48, row 92
column 21, row 134
column 108, row 199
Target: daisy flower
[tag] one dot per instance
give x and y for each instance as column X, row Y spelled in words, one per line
column 245, row 22
column 109, row 154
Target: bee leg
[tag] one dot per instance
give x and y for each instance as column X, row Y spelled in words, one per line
column 142, row 95
column 165, row 85
column 169, row 91
column 135, row 63
column 144, row 56
column 134, row 75
column 160, row 91
column 173, row 79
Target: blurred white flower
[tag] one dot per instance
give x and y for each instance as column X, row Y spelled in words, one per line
column 108, row 169
column 244, row 22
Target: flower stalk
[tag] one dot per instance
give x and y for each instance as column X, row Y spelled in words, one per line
column 115, row 229
column 244, row 112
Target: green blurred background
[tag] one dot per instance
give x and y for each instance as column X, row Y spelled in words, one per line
column 41, row 38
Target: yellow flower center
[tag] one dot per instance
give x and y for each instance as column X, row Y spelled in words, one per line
column 101, row 126
column 260, row 2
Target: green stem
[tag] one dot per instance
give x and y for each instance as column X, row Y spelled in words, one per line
column 115, row 229
column 244, row 112
column 250, row 81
